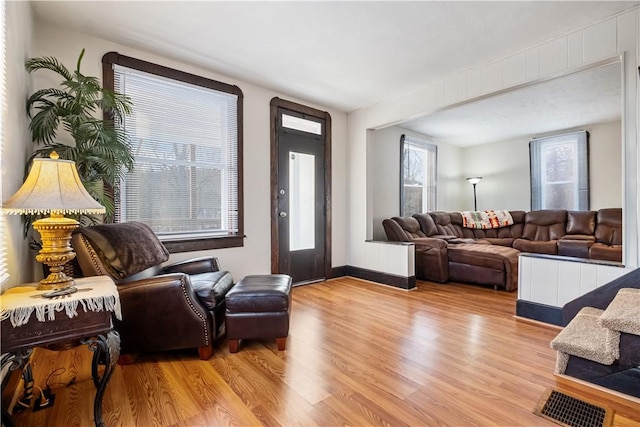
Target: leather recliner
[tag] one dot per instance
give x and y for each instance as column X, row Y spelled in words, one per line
column 170, row 307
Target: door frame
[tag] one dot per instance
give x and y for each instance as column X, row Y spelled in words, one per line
column 275, row 104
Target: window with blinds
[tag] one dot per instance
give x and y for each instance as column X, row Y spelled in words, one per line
column 418, row 180
column 4, row 271
column 186, row 142
column 560, row 171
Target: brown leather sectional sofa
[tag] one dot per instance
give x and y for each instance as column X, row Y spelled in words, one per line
column 447, row 251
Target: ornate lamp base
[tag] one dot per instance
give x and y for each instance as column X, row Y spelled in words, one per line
column 55, row 233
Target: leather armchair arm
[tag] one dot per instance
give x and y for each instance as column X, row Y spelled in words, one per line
column 205, row 264
column 162, row 313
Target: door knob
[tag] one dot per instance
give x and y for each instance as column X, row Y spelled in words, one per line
column 283, row 214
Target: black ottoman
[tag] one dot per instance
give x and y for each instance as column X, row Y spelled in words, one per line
column 258, row 307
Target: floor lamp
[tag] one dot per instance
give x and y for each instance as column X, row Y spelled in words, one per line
column 474, row 181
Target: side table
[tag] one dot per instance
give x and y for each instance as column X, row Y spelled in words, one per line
column 29, row 320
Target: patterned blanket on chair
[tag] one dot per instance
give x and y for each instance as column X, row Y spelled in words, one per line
column 486, row 219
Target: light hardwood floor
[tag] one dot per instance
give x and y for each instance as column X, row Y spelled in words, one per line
column 357, row 354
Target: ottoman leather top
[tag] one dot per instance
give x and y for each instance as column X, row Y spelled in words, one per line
column 259, row 293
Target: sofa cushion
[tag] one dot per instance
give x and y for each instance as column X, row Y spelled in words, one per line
column 445, row 226
column 394, row 232
column 574, row 248
column 427, row 224
column 606, row 252
column 410, row 225
column 609, row 226
column 581, row 222
column 549, row 247
column 544, row 225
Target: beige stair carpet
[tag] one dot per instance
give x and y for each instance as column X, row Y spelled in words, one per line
column 584, row 337
column 623, row 314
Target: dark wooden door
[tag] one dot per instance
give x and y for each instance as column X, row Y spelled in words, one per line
column 301, row 207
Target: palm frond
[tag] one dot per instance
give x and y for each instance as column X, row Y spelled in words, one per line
column 47, row 63
column 44, row 126
column 101, row 152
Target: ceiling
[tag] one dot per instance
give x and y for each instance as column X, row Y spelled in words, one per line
column 576, row 100
column 344, row 55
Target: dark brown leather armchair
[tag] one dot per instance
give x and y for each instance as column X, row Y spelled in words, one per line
column 169, row 307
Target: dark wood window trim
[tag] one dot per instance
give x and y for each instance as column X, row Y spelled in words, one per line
column 310, row 112
column 188, row 245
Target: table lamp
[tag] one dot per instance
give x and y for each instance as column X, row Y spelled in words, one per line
column 53, row 187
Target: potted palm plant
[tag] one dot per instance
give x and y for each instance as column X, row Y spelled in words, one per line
column 101, row 152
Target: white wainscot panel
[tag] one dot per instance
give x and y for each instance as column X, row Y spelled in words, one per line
column 492, row 77
column 533, row 64
column 575, row 49
column 451, row 92
column 514, row 70
column 600, row 40
column 568, row 282
column 553, row 57
column 588, row 276
column 524, row 278
column 544, row 281
column 474, row 83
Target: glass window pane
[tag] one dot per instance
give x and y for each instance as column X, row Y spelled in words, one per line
column 301, row 201
column 418, row 180
column 301, row 124
column 560, row 172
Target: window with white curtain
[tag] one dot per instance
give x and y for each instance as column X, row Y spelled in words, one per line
column 185, row 133
column 418, row 180
column 560, row 171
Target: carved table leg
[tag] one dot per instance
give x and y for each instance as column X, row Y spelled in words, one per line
column 106, row 350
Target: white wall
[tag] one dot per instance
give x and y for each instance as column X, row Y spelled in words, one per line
column 504, row 168
column 255, row 256
column 385, row 154
column 16, row 142
column 605, row 157
column 619, row 35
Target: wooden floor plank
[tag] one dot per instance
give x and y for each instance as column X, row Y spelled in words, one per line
column 357, row 354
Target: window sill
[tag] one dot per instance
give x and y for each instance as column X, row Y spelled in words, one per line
column 192, row 245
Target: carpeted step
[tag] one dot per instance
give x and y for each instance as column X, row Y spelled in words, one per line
column 584, row 337
column 623, row 314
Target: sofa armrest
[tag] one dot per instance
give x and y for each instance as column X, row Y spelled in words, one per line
column 204, row 264
column 162, row 313
column 429, row 242
column 432, row 262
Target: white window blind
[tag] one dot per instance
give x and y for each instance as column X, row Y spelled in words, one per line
column 184, row 137
column 560, row 171
column 4, row 271
column 418, row 180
